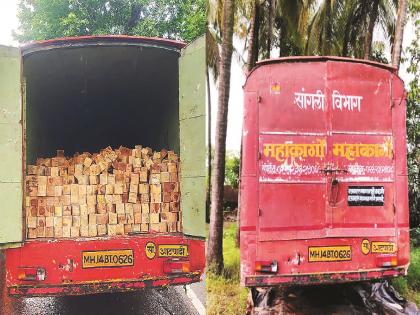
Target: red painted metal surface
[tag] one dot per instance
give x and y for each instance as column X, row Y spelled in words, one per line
column 324, row 148
column 65, row 275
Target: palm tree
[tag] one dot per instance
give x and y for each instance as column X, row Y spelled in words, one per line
column 254, row 30
column 345, row 28
column 399, row 31
column 215, row 242
column 372, row 22
column 280, row 24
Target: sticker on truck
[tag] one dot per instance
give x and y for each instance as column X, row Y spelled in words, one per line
column 383, row 247
column 107, row 258
column 329, row 253
column 173, row 251
column 365, row 196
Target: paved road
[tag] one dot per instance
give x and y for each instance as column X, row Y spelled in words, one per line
column 166, row 301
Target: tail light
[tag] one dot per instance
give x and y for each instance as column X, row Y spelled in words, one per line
column 266, row 266
column 386, row 261
column 31, row 274
column 176, row 266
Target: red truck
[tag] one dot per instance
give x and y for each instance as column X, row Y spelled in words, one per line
column 324, row 195
column 83, row 94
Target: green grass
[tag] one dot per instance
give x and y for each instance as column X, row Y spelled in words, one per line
column 224, row 293
column 409, row 286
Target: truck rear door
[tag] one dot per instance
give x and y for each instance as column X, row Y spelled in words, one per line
column 326, row 163
column 361, row 177
column 192, row 125
column 11, row 166
column 292, row 153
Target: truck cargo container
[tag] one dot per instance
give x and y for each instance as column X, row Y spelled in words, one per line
column 84, row 94
column 324, row 193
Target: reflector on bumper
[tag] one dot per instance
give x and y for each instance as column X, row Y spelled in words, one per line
column 31, row 274
column 266, row 266
column 176, row 266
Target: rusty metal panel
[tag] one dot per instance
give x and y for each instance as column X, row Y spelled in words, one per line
column 192, row 124
column 330, row 167
column 11, row 146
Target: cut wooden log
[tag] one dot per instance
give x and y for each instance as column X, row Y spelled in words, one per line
column 154, row 227
column 154, row 218
column 32, row 233
column 32, row 222
column 155, row 207
column 84, row 230
column 112, row 229
column 144, row 227
column 128, row 190
column 112, row 218
column 66, row 231
column 75, row 231
column 120, row 229
column 93, row 231
column 102, row 229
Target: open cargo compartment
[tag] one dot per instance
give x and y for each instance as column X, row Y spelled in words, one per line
column 87, row 98
column 84, row 94
column 83, row 98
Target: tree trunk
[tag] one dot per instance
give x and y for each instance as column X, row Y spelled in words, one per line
column 134, row 19
column 270, row 28
column 326, row 43
column 208, row 145
column 250, row 63
column 254, row 32
column 215, row 241
column 399, row 32
column 369, row 36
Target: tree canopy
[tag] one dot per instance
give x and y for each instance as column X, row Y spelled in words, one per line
column 173, row 19
column 413, row 117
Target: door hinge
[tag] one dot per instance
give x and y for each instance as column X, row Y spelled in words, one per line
column 394, row 208
column 259, row 155
column 258, row 99
column 259, row 212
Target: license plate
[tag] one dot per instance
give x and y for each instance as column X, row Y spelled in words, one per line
column 383, row 247
column 107, row 258
column 329, row 253
column 173, row 251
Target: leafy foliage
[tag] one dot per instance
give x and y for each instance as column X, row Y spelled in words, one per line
column 232, row 170
column 343, row 28
column 224, row 294
column 413, row 119
column 174, row 19
column 410, row 286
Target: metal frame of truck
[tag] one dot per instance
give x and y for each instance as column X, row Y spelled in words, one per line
column 54, row 266
column 314, row 207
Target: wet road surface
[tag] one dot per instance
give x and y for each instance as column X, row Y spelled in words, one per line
column 166, row 301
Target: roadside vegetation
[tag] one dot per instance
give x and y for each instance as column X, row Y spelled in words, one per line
column 409, row 286
column 224, row 293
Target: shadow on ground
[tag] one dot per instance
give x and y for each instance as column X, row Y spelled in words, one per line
column 347, row 299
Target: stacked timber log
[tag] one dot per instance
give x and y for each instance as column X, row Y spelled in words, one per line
column 113, row 192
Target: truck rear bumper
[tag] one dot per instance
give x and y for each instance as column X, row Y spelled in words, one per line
column 101, row 287
column 87, row 266
column 323, row 278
